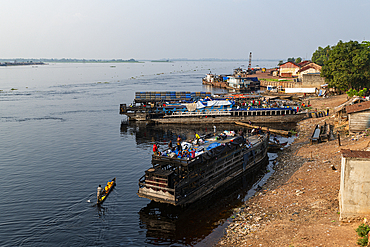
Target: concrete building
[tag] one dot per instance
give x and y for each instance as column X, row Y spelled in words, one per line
column 359, row 116
column 288, row 69
column 309, row 75
column 354, row 193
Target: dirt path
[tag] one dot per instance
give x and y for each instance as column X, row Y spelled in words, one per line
column 299, row 205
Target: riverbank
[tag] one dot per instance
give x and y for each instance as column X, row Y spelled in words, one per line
column 298, row 206
column 21, row 63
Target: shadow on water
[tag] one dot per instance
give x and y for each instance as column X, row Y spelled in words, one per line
column 148, row 133
column 204, row 219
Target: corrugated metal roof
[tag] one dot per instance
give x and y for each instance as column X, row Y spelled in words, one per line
column 303, row 63
column 348, row 102
column 310, row 65
column 355, row 154
column 358, row 107
column 289, row 65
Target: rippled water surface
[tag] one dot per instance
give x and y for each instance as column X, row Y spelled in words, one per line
column 61, row 136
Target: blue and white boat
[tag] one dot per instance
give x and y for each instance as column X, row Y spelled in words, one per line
column 202, row 107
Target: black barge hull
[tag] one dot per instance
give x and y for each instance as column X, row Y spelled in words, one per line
column 181, row 182
column 220, row 117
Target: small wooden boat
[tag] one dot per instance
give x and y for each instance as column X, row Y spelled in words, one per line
column 107, row 189
column 275, row 147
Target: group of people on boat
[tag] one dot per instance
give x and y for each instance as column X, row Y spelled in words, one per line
column 188, row 151
column 262, row 103
column 192, row 148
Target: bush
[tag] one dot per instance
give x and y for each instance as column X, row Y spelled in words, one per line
column 362, row 231
column 353, row 92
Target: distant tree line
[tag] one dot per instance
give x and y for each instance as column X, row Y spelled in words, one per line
column 72, row 60
column 69, row 60
column 291, row 59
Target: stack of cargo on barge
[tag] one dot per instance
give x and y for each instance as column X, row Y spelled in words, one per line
column 202, row 107
column 181, row 180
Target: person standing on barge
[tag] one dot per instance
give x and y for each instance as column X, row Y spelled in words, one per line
column 179, row 144
column 170, row 145
column 197, row 137
column 192, row 152
column 155, row 148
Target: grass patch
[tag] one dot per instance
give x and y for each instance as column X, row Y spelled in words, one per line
column 276, row 80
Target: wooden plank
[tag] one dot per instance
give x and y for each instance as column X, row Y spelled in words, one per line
column 280, row 132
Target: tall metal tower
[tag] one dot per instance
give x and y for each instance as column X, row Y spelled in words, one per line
column 250, row 62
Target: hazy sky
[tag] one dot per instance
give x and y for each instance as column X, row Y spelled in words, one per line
column 155, row 29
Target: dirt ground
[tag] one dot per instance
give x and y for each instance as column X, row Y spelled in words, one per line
column 298, row 206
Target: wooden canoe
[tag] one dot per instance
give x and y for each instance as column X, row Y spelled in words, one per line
column 105, row 192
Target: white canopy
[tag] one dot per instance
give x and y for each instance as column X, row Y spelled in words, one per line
column 203, row 104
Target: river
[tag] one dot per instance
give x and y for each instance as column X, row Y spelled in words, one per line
column 62, row 135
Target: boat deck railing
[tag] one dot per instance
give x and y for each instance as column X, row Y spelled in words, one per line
column 143, row 183
column 175, row 160
column 197, row 114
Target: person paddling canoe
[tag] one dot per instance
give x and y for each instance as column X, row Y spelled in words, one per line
column 99, row 190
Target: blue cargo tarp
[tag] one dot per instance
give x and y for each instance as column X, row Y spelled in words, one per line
column 213, row 145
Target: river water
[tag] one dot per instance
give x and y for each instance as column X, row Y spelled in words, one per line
column 61, row 136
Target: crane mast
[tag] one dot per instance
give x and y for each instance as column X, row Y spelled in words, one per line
column 250, row 63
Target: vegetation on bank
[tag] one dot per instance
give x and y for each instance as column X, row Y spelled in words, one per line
column 353, row 92
column 70, row 60
column 346, row 65
column 362, row 232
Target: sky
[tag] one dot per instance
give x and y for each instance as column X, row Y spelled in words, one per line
column 173, row 29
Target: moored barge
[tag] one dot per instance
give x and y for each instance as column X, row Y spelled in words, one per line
column 202, row 107
column 181, row 181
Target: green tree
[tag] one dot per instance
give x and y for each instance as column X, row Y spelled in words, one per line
column 321, row 55
column 280, row 62
column 348, row 65
column 298, row 60
column 291, row 59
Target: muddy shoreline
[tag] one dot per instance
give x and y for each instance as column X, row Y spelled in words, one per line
column 298, row 205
